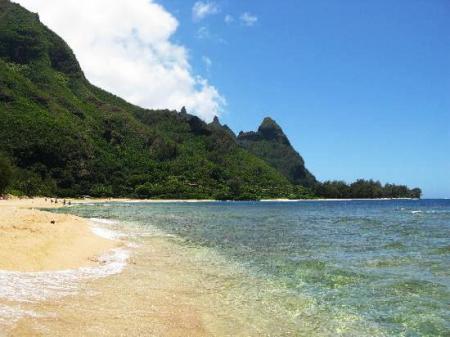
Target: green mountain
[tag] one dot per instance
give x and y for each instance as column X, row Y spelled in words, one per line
column 60, row 135
column 63, row 136
column 271, row 144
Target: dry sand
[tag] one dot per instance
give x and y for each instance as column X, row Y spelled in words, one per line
column 29, row 240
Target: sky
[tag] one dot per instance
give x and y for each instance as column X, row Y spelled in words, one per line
column 361, row 88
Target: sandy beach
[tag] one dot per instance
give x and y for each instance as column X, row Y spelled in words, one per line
column 34, row 240
column 165, row 289
column 164, row 284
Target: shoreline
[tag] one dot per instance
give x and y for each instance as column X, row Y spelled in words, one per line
column 44, row 241
column 166, row 289
column 45, row 202
column 75, row 201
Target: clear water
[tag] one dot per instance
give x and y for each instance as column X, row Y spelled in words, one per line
column 350, row 268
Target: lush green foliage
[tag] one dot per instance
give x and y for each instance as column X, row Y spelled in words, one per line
column 365, row 189
column 5, row 174
column 65, row 137
column 69, row 138
column 271, row 144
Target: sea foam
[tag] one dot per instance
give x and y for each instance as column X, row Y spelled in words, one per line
column 32, row 287
column 107, row 233
column 103, row 221
column 38, row 286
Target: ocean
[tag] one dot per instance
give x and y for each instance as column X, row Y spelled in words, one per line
column 322, row 268
column 306, row 268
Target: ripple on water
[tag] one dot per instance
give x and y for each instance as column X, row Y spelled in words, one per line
column 394, row 245
column 415, row 287
column 442, row 250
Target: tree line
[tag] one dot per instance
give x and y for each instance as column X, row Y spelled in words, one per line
column 364, row 189
column 5, row 174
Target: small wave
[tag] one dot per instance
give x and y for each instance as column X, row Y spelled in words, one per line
column 133, row 245
column 103, row 221
column 31, row 287
column 157, row 235
column 434, row 212
column 107, row 233
column 38, row 286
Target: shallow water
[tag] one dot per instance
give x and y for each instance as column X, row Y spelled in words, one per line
column 348, row 268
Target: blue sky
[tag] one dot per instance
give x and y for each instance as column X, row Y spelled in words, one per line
column 362, row 88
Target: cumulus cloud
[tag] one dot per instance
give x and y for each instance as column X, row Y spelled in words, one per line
column 202, row 9
column 125, row 47
column 248, row 19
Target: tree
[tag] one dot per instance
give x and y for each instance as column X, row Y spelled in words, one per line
column 416, row 193
column 5, row 174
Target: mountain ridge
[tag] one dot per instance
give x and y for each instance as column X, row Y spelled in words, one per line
column 63, row 136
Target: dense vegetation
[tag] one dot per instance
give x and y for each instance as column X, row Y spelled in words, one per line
column 364, row 189
column 271, row 144
column 5, row 174
column 62, row 136
column 66, row 137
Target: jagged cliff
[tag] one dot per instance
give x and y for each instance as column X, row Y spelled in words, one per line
column 271, row 144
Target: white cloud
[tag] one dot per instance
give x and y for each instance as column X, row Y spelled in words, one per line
column 229, row 19
column 202, row 9
column 203, row 33
column 248, row 19
column 125, row 47
column 208, row 63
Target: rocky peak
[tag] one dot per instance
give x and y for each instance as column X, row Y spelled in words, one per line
column 270, row 130
column 215, row 124
column 271, row 144
column 216, row 121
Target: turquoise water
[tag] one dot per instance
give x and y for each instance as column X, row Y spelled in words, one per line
column 385, row 262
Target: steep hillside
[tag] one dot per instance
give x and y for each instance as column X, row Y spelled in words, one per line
column 271, row 144
column 66, row 137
